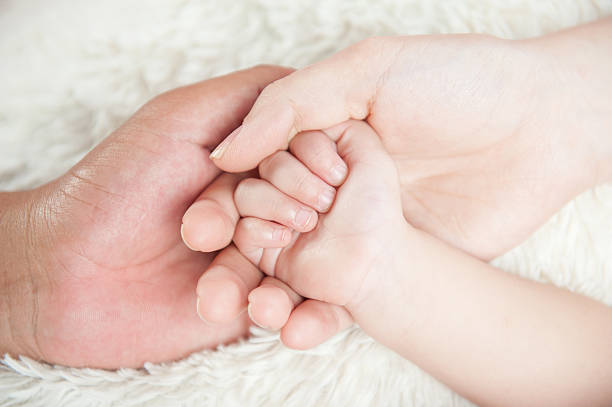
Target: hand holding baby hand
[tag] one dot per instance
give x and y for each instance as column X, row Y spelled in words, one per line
column 341, row 259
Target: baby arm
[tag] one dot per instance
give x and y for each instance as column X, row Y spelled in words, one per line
column 493, row 337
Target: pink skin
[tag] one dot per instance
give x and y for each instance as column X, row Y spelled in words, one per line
column 109, row 283
column 459, row 115
column 222, row 290
column 328, row 265
column 270, row 305
column 458, row 318
column 479, row 128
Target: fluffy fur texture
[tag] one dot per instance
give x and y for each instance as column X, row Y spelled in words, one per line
column 73, row 71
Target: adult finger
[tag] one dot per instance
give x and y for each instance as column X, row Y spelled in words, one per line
column 204, row 113
column 313, row 322
column 224, row 287
column 319, row 96
column 304, row 324
column 209, row 223
column 271, row 303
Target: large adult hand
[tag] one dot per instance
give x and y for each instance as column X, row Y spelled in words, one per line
column 490, row 137
column 94, row 270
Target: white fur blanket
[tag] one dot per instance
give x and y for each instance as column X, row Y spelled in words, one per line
column 71, row 71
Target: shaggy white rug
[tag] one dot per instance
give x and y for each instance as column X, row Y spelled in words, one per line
column 72, row 71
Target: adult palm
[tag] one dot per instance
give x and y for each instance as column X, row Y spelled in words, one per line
column 475, row 125
column 114, row 285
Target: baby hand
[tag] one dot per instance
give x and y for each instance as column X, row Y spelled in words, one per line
column 338, row 261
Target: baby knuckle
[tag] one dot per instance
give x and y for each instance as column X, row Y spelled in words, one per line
column 304, row 187
column 325, row 157
column 243, row 189
column 279, row 209
column 249, row 226
column 270, row 165
column 244, row 232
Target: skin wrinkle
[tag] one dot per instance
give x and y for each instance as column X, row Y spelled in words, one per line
column 382, row 80
column 31, row 287
column 141, row 170
column 418, row 182
column 251, row 93
column 100, row 188
column 408, row 156
column 376, row 260
column 150, row 260
column 453, row 194
column 302, row 182
column 68, row 195
column 433, row 214
column 49, row 209
column 136, row 129
column 125, row 141
column 96, row 206
column 6, row 316
column 276, row 88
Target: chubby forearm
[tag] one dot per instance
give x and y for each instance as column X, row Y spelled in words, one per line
column 493, row 337
column 581, row 58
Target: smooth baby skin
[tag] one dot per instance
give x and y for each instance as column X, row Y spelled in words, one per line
column 308, row 184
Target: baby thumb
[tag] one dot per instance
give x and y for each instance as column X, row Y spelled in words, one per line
column 362, row 150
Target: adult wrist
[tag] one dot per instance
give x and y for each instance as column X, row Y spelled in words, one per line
column 580, row 62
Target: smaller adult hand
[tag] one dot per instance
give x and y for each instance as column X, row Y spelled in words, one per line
column 490, row 136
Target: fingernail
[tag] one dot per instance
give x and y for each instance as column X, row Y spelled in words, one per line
column 326, row 199
column 302, row 217
column 279, row 234
column 218, row 152
column 198, row 312
column 251, row 317
column 338, row 173
column 185, row 241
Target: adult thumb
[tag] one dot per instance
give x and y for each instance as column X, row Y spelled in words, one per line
column 317, row 97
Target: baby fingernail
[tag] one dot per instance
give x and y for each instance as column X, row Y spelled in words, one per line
column 326, row 199
column 279, row 234
column 302, row 217
column 338, row 173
